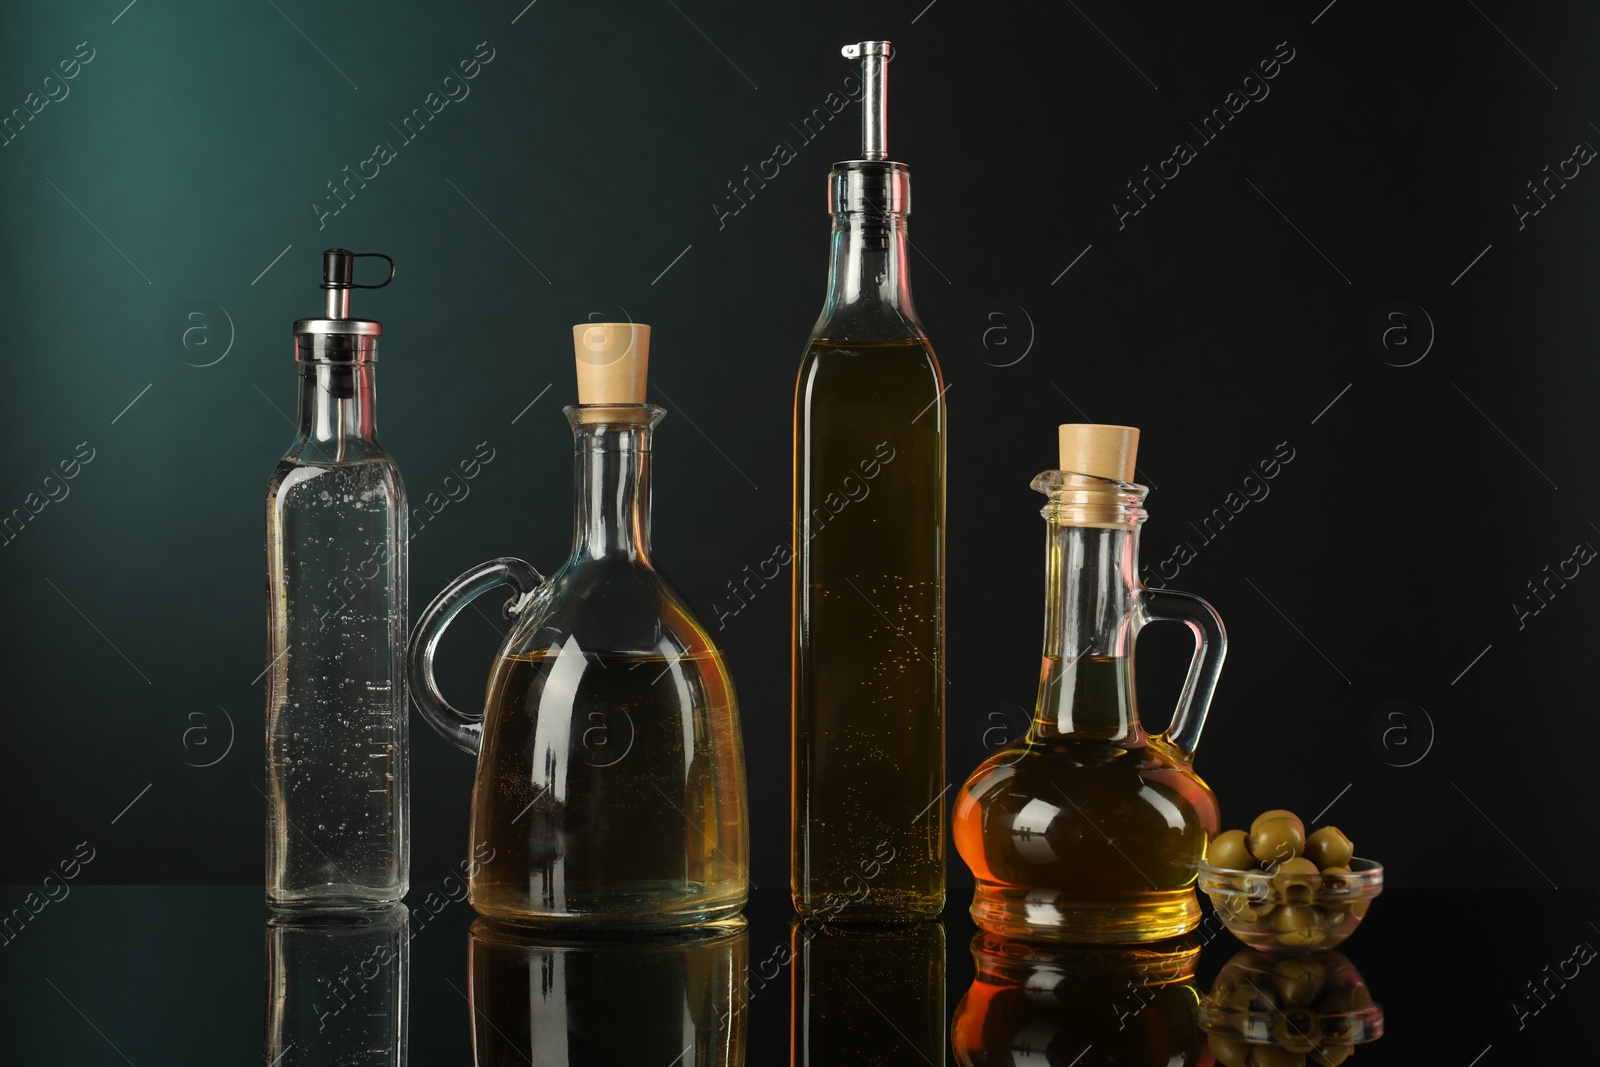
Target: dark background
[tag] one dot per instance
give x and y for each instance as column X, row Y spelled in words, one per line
column 1376, row 660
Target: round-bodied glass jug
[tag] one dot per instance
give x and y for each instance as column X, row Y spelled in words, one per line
column 610, row 788
column 1090, row 828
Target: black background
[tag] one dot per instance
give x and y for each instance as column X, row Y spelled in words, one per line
column 1369, row 597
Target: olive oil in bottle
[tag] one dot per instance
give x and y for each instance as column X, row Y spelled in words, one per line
column 1090, row 829
column 869, row 499
column 610, row 790
column 621, row 719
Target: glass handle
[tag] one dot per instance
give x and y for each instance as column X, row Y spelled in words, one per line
column 1210, row 648
column 459, row 728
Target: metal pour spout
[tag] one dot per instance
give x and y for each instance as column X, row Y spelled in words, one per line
column 874, row 56
column 339, row 277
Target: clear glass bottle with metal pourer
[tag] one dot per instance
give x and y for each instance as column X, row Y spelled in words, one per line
column 1090, row 828
column 868, row 786
column 610, row 789
column 337, row 777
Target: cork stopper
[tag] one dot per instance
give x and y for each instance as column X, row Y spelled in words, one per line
column 613, row 361
column 1099, row 451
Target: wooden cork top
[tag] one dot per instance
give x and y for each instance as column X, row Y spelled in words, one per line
column 1099, row 451
column 613, row 361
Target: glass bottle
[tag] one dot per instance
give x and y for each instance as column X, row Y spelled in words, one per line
column 1044, row 1005
column 667, row 998
column 869, row 504
column 866, row 995
column 337, row 988
column 1090, row 828
column 337, row 797
column 610, row 788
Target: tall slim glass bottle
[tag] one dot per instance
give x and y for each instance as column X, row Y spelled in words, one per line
column 337, row 803
column 868, row 815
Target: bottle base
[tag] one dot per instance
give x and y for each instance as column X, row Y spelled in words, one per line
column 620, row 912
column 878, row 908
column 1052, row 915
column 335, row 898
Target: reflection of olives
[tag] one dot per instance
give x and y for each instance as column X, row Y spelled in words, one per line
column 1299, row 980
column 1310, row 1010
column 1273, row 1056
column 1328, row 847
column 1346, row 999
column 1229, row 1051
column 1297, row 1030
column 1277, row 840
column 1230, row 850
column 1250, row 997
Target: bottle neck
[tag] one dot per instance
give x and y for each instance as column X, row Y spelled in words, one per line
column 337, row 411
column 869, row 286
column 611, row 478
column 1086, row 681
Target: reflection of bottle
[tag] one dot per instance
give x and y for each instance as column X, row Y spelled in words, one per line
column 1035, row 1005
column 869, row 502
column 1089, row 828
column 610, row 789
column 336, row 628
column 337, row 988
column 866, row 995
column 666, row 998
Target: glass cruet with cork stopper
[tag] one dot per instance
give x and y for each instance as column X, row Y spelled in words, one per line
column 610, row 789
column 1090, row 828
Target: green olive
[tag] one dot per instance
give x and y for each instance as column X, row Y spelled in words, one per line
column 1358, row 908
column 1296, row 881
column 1229, row 1051
column 1238, row 907
column 1331, row 1055
column 1277, row 840
column 1276, row 813
column 1328, row 847
column 1339, row 904
column 1298, row 981
column 1230, row 851
column 1299, row 925
column 1273, row 1056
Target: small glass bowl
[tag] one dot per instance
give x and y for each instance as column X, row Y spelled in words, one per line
column 1276, row 910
